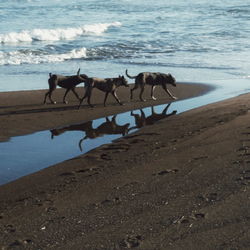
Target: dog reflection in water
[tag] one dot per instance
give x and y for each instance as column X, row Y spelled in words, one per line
column 109, row 127
column 141, row 120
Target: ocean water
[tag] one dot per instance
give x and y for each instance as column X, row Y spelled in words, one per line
column 196, row 41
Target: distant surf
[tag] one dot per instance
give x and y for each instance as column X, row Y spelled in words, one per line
column 37, row 57
column 55, row 34
column 196, row 41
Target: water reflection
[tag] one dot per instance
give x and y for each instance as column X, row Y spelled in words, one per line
column 111, row 127
column 27, row 154
column 142, row 120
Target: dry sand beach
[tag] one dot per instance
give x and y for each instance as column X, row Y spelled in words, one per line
column 182, row 183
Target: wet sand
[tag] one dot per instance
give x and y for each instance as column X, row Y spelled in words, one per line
column 182, row 183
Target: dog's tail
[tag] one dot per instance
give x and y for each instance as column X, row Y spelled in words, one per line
column 50, row 74
column 131, row 77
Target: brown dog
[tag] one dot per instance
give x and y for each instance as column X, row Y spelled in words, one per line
column 67, row 82
column 107, row 85
column 152, row 79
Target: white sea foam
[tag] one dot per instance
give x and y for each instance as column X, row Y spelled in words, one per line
column 55, row 34
column 29, row 57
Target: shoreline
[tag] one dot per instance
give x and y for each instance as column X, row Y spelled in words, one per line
column 26, row 108
column 182, row 183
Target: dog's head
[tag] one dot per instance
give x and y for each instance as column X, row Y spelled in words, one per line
column 170, row 79
column 123, row 81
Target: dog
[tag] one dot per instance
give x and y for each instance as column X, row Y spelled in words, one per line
column 107, row 85
column 67, row 82
column 153, row 79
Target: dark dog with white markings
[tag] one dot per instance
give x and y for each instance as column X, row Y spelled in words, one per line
column 107, row 85
column 67, row 82
column 153, row 79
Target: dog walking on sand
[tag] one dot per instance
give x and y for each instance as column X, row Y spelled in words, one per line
column 67, row 82
column 153, row 79
column 107, row 85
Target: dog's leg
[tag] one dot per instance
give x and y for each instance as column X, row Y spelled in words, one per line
column 52, row 86
column 152, row 92
column 81, row 100
column 87, row 94
column 50, row 96
column 66, row 92
column 105, row 98
column 168, row 92
column 77, row 96
column 45, row 97
column 116, row 97
column 141, row 92
column 49, row 93
column 131, row 91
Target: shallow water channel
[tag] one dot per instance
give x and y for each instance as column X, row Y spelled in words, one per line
column 27, row 154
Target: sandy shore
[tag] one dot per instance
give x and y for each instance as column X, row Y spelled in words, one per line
column 26, row 108
column 182, row 183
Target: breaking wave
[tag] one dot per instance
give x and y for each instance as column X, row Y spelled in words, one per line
column 55, row 34
column 36, row 57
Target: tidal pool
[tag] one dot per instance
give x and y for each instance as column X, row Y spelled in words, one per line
column 27, row 154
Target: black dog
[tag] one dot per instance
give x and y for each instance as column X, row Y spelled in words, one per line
column 67, row 82
column 152, row 79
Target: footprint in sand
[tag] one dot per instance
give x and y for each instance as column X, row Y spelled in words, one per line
column 19, row 244
column 118, row 147
column 15, row 245
column 186, row 220
column 212, row 197
column 108, row 201
column 199, row 216
column 167, row 171
column 50, row 209
column 131, row 241
column 245, row 172
column 245, row 178
column 90, row 171
column 82, row 171
column 9, row 229
column 67, row 174
column 181, row 220
column 133, row 136
column 106, row 157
